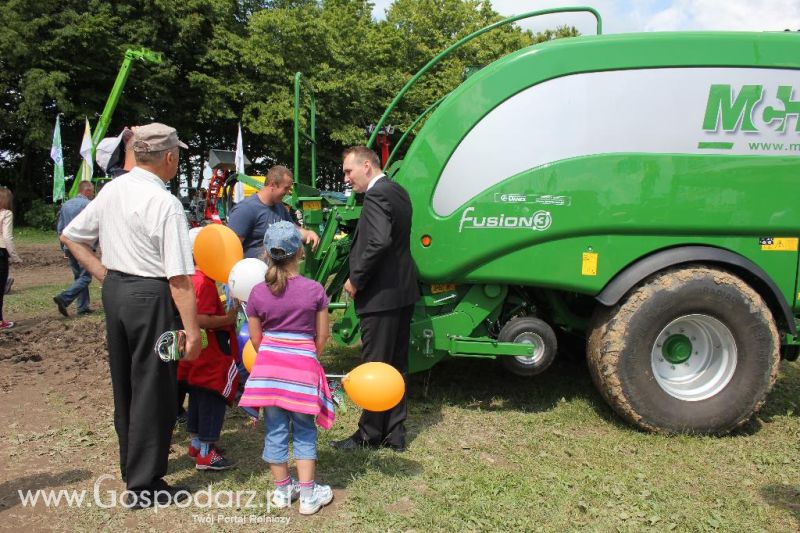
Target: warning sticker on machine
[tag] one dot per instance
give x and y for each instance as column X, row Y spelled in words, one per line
column 438, row 288
column 779, row 244
column 589, row 264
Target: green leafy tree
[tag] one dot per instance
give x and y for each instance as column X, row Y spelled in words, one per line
column 226, row 61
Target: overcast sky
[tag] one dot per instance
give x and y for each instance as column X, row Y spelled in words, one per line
column 621, row 16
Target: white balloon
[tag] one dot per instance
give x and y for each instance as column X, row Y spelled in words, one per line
column 245, row 275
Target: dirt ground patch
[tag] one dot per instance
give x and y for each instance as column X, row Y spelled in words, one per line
column 55, row 396
column 56, row 416
column 43, row 264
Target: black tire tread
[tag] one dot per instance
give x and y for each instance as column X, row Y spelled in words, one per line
column 607, row 335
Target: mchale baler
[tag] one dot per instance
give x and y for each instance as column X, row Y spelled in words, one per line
column 639, row 190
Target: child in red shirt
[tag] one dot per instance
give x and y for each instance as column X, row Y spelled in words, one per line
column 212, row 379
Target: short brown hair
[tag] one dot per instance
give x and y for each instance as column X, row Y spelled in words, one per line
column 6, row 198
column 148, row 158
column 361, row 154
column 275, row 175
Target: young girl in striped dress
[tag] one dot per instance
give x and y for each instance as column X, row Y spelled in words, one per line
column 288, row 322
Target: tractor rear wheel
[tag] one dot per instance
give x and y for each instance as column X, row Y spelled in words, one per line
column 690, row 350
column 529, row 330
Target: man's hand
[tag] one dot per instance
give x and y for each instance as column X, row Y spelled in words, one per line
column 309, row 237
column 193, row 346
column 349, row 289
column 85, row 256
column 182, row 290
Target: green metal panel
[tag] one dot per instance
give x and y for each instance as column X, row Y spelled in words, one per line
column 623, row 205
column 434, row 337
column 602, row 211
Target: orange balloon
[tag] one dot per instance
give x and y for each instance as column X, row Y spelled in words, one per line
column 216, row 249
column 249, row 356
column 375, row 386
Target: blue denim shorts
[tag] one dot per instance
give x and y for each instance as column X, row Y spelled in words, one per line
column 276, row 441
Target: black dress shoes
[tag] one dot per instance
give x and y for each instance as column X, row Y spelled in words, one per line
column 353, row 443
column 399, row 448
column 350, row 444
column 161, row 496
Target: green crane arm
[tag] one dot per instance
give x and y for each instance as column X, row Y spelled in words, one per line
column 111, row 104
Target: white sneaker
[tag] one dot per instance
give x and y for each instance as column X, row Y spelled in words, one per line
column 322, row 495
column 283, row 497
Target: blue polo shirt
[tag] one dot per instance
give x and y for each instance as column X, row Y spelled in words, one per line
column 250, row 218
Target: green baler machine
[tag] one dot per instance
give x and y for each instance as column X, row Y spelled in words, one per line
column 638, row 190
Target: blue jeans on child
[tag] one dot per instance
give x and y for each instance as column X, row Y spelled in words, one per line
column 276, row 441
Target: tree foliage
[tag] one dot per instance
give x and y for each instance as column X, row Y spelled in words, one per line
column 226, row 61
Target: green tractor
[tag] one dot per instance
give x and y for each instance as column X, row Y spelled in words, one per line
column 635, row 190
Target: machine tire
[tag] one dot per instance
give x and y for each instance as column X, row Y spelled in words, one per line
column 531, row 330
column 733, row 352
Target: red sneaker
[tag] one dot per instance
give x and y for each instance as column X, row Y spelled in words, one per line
column 194, row 452
column 6, row 325
column 213, row 461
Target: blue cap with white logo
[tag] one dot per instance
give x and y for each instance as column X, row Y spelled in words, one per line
column 282, row 240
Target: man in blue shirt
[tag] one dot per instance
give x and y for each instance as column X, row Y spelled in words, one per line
column 79, row 290
column 251, row 217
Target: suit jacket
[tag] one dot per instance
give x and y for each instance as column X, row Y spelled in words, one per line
column 381, row 268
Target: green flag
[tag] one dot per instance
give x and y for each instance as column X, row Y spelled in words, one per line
column 58, row 163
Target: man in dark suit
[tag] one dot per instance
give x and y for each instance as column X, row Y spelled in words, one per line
column 383, row 284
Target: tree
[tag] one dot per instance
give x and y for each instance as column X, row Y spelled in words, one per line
column 226, row 61
column 63, row 56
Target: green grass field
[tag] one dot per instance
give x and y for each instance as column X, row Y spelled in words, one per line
column 28, row 235
column 489, row 451
column 493, row 452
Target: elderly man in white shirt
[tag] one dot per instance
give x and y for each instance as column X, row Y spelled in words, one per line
column 146, row 270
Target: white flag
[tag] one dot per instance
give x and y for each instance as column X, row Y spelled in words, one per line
column 238, row 189
column 207, row 173
column 86, row 153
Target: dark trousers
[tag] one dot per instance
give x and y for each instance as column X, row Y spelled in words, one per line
column 138, row 310
column 183, row 391
column 384, row 338
column 206, row 414
column 3, row 277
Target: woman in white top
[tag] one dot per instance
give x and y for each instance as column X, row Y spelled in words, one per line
column 7, row 250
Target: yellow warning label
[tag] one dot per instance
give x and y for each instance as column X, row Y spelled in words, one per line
column 438, row 288
column 589, row 264
column 780, row 244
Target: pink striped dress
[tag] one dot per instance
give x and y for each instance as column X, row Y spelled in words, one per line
column 287, row 374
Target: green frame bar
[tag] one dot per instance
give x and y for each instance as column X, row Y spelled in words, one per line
column 413, row 125
column 111, row 104
column 310, row 135
column 449, row 50
column 485, row 347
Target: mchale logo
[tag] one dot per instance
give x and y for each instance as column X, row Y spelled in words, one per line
column 539, row 221
column 729, row 111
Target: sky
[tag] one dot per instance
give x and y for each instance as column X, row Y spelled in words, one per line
column 625, row 16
